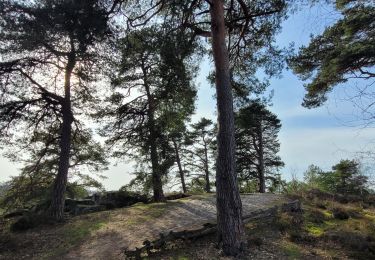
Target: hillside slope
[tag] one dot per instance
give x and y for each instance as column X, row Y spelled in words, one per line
column 105, row 235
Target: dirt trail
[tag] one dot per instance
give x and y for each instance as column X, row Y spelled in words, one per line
column 136, row 224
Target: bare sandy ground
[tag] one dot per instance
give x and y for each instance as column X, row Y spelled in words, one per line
column 128, row 229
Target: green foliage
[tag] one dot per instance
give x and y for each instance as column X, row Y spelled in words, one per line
column 50, row 59
column 348, row 178
column 277, row 184
column 3, row 188
column 295, row 187
column 312, row 176
column 257, row 143
column 345, row 178
column 344, row 51
column 249, row 186
column 197, row 185
column 142, row 182
column 156, row 71
column 199, row 153
column 345, row 182
column 34, row 191
column 33, row 188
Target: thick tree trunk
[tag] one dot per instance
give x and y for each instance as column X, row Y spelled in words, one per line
column 229, row 207
column 157, row 184
column 262, row 180
column 180, row 170
column 59, row 187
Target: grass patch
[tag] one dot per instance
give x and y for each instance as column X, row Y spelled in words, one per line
column 315, row 230
column 327, row 213
column 73, row 233
column 76, row 231
column 145, row 212
column 369, row 215
column 292, row 250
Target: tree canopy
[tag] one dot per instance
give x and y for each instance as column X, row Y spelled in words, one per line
column 344, row 51
column 49, row 65
column 153, row 96
column 257, row 149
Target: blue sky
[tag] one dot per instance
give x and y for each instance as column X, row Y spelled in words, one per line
column 319, row 136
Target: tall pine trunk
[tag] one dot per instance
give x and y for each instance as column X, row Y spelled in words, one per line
column 229, row 207
column 206, row 170
column 180, row 170
column 262, row 180
column 157, row 184
column 59, row 187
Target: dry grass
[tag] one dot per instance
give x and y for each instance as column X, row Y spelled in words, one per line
column 314, row 234
column 49, row 242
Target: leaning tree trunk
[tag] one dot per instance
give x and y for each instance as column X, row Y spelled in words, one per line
column 262, row 180
column 59, row 187
column 181, row 171
column 229, row 207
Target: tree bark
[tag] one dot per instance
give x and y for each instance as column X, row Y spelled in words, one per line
column 262, row 181
column 181, row 171
column 156, row 178
column 59, row 187
column 157, row 184
column 206, row 170
column 229, row 206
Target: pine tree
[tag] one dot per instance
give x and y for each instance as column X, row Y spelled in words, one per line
column 200, row 142
column 257, row 144
column 242, row 33
column 153, row 93
column 49, row 62
column 344, row 51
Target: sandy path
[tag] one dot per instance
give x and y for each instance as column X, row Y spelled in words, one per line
column 130, row 228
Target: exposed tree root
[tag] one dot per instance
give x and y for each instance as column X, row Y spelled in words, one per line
column 207, row 229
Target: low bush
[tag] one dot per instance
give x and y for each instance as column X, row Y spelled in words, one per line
column 301, row 236
column 289, row 221
column 340, row 213
column 121, row 198
column 321, row 205
column 316, row 216
column 317, row 194
column 29, row 221
column 352, row 240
